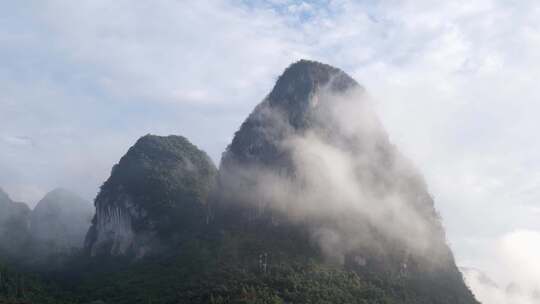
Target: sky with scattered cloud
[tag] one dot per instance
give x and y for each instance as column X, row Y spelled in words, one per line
column 455, row 83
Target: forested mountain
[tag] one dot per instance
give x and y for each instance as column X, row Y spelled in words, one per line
column 156, row 195
column 313, row 164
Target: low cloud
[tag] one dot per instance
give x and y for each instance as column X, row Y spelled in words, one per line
column 343, row 178
column 516, row 255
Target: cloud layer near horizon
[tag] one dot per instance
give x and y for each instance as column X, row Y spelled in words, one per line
column 455, row 84
column 516, row 254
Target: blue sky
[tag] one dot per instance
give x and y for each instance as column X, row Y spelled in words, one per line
column 455, row 83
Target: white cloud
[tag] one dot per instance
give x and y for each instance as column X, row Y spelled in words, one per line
column 516, row 256
column 519, row 252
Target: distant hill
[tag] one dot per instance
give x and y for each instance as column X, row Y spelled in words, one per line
column 14, row 225
column 60, row 221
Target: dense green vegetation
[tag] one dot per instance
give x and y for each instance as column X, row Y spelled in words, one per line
column 253, row 266
column 163, row 184
column 25, row 288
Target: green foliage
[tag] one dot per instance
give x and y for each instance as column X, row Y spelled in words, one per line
column 225, row 267
column 25, row 288
column 168, row 177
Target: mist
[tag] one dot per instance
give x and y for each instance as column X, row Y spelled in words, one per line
column 343, row 178
column 56, row 226
column 516, row 254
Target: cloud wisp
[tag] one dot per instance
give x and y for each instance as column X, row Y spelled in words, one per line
column 516, row 254
column 340, row 176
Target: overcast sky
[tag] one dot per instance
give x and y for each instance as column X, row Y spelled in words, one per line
column 455, row 83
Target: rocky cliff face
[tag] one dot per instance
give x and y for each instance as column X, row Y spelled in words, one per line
column 156, row 194
column 60, row 220
column 314, row 154
column 14, row 224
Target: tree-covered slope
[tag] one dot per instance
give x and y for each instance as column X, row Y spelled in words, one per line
column 260, row 266
column 24, row 288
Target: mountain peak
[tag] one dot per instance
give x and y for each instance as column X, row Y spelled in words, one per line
column 60, row 192
column 158, row 190
column 4, row 197
column 169, row 147
column 152, row 140
column 303, row 78
column 62, row 198
column 293, row 103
